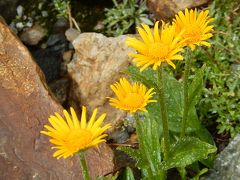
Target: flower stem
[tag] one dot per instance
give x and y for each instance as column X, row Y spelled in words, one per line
column 83, row 165
column 161, row 99
column 185, row 94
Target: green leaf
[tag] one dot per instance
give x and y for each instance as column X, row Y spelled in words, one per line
column 193, row 122
column 148, row 156
column 186, row 151
column 174, row 99
column 146, row 21
column 147, row 77
column 204, row 135
column 149, row 145
column 135, row 154
column 195, row 88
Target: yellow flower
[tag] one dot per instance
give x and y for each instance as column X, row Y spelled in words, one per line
column 70, row 136
column 131, row 97
column 196, row 28
column 156, row 48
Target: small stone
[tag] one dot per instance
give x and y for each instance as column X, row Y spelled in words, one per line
column 33, row 35
column 99, row 26
column 130, row 129
column 56, row 39
column 67, row 56
column 72, row 34
column 61, row 25
column 20, row 11
column 44, row 46
column 19, row 25
column 119, row 136
column 44, row 14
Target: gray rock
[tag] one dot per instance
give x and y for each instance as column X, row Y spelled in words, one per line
column 33, row 35
column 227, row 163
column 72, row 34
column 57, row 40
column 119, row 136
column 61, row 25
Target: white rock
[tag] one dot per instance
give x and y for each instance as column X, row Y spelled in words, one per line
column 98, row 62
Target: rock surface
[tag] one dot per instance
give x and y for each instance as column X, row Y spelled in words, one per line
column 26, row 103
column 98, row 62
column 166, row 10
column 227, row 163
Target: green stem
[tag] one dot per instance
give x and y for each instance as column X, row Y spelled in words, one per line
column 162, row 103
column 185, row 94
column 183, row 173
column 83, row 165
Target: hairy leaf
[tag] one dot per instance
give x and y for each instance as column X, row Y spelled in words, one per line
column 186, row 151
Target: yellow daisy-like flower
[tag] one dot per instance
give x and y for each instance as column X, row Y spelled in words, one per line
column 131, row 97
column 156, row 48
column 71, row 135
column 196, row 27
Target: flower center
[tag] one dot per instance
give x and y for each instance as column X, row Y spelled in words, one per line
column 78, row 139
column 193, row 33
column 158, row 50
column 133, row 100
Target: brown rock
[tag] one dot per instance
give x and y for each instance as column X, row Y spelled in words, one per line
column 166, row 10
column 26, row 104
column 98, row 62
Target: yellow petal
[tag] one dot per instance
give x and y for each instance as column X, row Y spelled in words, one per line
column 143, row 35
column 156, row 32
column 68, row 118
column 83, row 118
column 99, row 121
column 92, row 119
